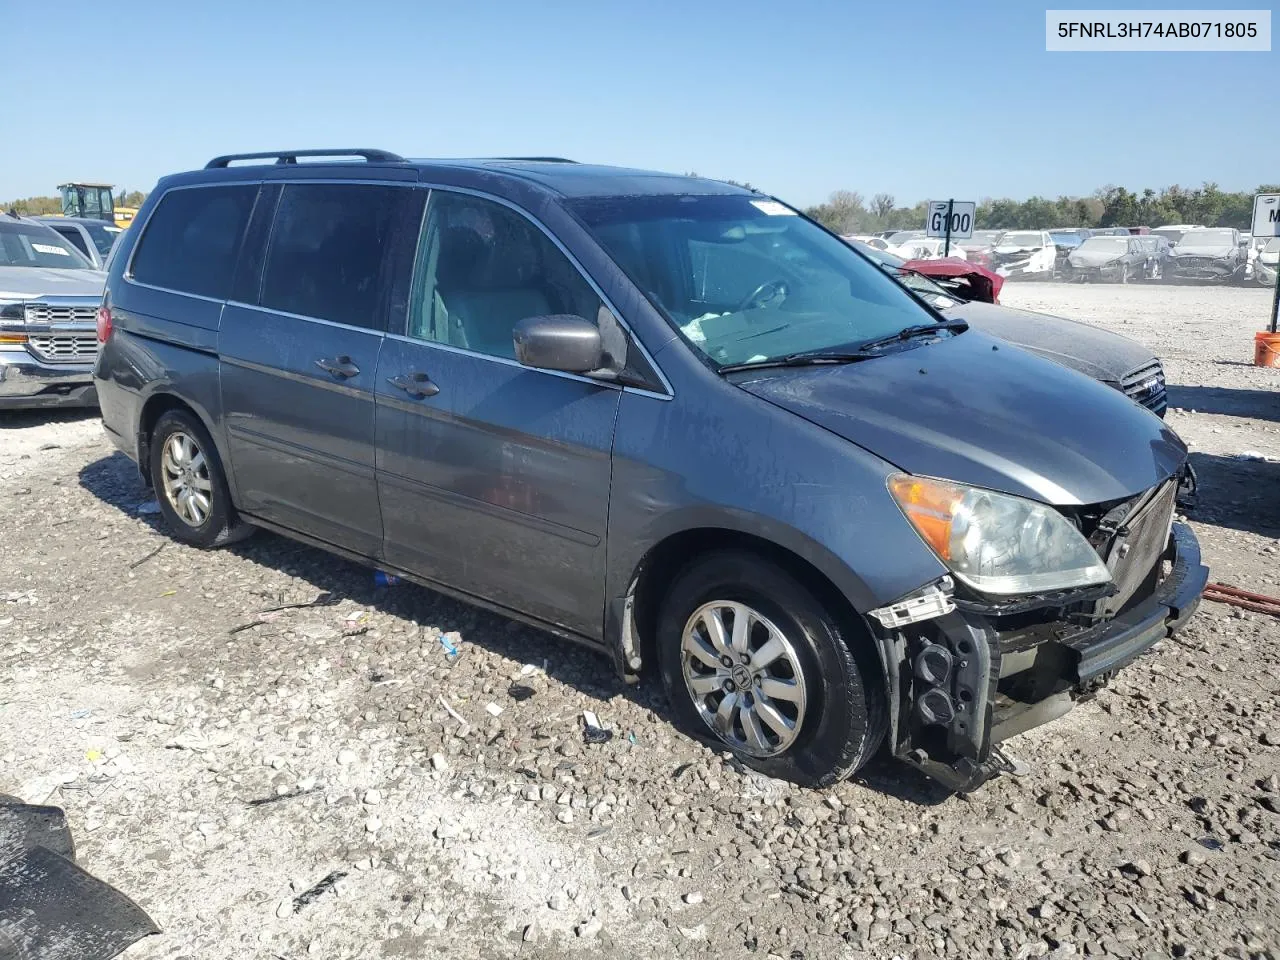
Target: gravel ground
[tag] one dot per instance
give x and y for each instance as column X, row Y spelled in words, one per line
column 218, row 758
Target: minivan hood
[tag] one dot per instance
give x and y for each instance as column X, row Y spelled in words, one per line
column 1096, row 353
column 1215, row 250
column 30, row 283
column 972, row 409
column 1094, row 258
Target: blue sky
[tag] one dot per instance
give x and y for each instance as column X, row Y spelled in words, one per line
column 800, row 98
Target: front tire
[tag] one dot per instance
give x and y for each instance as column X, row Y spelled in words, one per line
column 190, row 484
column 754, row 663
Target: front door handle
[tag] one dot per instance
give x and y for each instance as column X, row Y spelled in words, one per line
column 342, row 367
column 415, row 385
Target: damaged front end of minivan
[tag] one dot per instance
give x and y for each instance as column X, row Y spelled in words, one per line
column 968, row 669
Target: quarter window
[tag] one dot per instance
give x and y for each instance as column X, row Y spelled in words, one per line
column 329, row 249
column 191, row 240
column 481, row 269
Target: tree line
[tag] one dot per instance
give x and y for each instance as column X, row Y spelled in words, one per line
column 847, row 211
column 43, row 206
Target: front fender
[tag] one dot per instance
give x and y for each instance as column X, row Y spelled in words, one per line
column 729, row 461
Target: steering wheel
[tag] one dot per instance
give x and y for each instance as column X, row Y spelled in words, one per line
column 765, row 293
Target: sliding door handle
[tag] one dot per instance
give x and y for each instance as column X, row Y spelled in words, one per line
column 415, row 385
column 340, row 367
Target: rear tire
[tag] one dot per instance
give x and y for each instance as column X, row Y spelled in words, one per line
column 814, row 713
column 190, row 484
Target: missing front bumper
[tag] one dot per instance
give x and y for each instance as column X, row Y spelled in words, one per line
column 968, row 680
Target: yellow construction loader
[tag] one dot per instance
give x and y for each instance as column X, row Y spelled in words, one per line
column 95, row 201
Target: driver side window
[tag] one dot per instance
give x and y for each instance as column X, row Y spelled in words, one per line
column 482, row 268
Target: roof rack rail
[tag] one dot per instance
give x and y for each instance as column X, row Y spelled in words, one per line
column 540, row 159
column 291, row 156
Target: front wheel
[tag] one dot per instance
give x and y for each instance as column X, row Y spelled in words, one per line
column 190, row 484
column 753, row 662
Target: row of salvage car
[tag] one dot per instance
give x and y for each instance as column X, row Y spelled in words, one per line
column 1108, row 255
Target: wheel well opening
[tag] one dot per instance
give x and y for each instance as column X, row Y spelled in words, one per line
column 664, row 562
column 155, row 407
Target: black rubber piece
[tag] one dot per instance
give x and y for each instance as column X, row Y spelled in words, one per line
column 53, row 910
column 222, row 526
column 846, row 714
column 24, row 826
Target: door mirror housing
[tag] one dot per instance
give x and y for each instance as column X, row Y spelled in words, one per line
column 559, row 341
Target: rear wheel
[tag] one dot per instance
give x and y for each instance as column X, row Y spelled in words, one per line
column 190, row 484
column 754, row 663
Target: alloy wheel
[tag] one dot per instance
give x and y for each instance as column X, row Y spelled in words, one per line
column 187, row 485
column 744, row 677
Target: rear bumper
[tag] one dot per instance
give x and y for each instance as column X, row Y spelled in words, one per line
column 1000, row 685
column 28, row 383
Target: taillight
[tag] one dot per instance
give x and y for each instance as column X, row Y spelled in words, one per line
column 104, row 323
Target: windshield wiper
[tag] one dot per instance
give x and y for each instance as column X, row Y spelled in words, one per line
column 919, row 330
column 863, row 351
column 804, row 359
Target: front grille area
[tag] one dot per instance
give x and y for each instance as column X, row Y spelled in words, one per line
column 46, row 313
column 1146, row 386
column 1012, row 259
column 64, row 347
column 1135, row 550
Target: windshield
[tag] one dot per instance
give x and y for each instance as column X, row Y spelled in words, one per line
column 1070, row 233
column 28, row 245
column 1173, row 236
column 103, row 236
column 747, row 280
column 1104, row 245
column 1208, row 238
column 1027, row 238
column 980, row 238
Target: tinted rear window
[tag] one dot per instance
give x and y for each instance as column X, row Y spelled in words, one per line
column 327, row 250
column 191, row 240
column 75, row 238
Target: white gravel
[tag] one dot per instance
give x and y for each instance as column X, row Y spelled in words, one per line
column 1147, row 826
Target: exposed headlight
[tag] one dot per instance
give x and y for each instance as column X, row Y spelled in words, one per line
column 12, row 310
column 997, row 543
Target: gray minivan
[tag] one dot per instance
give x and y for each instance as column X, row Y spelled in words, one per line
column 663, row 416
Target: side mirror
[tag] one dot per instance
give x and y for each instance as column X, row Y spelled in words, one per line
column 559, row 342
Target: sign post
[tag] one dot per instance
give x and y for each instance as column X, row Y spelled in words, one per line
column 950, row 220
column 1266, row 223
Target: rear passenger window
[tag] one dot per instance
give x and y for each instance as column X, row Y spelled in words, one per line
column 191, row 240
column 330, row 250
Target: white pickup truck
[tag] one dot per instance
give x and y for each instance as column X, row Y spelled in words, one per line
column 49, row 298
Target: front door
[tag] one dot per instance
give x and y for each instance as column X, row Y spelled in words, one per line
column 493, row 477
column 298, row 368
